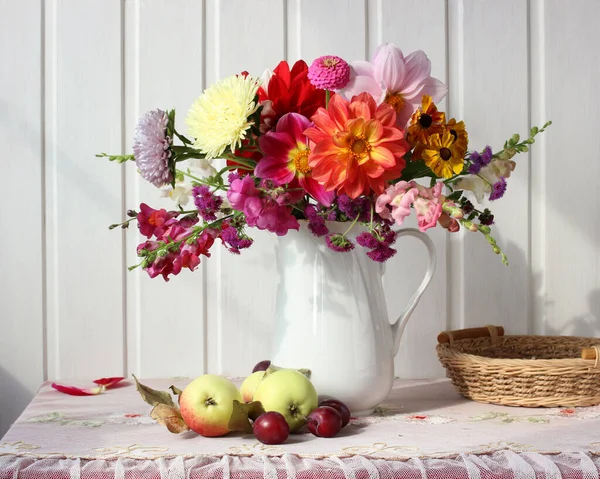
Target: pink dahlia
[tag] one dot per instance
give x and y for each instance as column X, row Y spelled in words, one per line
column 329, row 73
column 152, row 148
column 286, row 157
column 396, row 80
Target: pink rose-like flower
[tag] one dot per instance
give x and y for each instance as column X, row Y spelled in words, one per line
column 329, row 73
column 240, row 190
column 427, row 203
column 395, row 79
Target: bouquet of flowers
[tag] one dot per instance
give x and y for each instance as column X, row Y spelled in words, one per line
column 330, row 142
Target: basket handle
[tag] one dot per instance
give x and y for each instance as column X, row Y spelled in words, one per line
column 470, row 333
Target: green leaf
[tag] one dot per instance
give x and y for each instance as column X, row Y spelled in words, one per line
column 416, row 169
column 241, row 415
column 455, row 196
column 152, row 396
column 272, row 368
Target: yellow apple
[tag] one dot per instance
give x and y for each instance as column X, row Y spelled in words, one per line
column 206, row 404
column 290, row 393
column 250, row 384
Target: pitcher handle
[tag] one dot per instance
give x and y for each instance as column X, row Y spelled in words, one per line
column 399, row 325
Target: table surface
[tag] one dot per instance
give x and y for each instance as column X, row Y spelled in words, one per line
column 423, row 424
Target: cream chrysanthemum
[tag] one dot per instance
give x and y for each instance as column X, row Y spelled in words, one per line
column 220, row 116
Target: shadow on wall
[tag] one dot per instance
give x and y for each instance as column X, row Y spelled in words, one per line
column 13, row 400
column 586, row 323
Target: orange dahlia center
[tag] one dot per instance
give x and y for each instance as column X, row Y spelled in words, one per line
column 395, row 100
column 301, row 161
column 359, row 149
column 445, row 154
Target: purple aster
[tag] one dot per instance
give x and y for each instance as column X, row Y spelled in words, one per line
column 329, row 73
column 152, row 148
column 208, row 204
column 338, row 242
column 498, row 189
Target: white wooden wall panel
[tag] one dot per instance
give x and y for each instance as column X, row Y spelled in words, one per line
column 571, row 230
column 87, row 69
column 163, row 69
column 22, row 321
column 83, row 194
column 494, row 105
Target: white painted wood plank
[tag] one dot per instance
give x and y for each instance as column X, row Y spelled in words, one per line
column 335, row 27
column 417, row 358
column 570, row 246
column 164, row 58
column 241, row 289
column 495, row 105
column 21, row 252
column 83, row 114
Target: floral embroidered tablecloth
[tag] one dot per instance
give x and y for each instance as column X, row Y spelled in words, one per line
column 422, row 425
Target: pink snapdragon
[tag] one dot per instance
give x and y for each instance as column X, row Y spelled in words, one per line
column 261, row 211
column 396, row 202
column 153, row 222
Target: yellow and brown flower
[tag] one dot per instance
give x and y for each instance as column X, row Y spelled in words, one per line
column 443, row 156
column 425, row 122
column 460, row 135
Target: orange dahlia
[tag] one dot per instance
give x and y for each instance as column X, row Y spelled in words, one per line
column 357, row 146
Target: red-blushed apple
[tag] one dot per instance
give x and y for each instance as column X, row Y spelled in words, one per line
column 324, row 421
column 206, row 404
column 271, row 428
column 340, row 407
column 250, row 384
column 288, row 392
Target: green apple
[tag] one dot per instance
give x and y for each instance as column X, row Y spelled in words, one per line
column 290, row 393
column 250, row 384
column 206, row 404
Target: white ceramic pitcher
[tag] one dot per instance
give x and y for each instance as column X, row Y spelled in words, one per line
column 331, row 317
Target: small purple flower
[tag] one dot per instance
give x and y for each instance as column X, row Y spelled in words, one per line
column 329, row 73
column 382, row 253
column 331, row 216
column 236, row 241
column 467, row 207
column 316, row 223
column 338, row 242
column 486, row 218
column 233, row 176
column 475, row 166
column 367, row 240
column 152, row 148
column 498, row 189
column 486, row 156
column 208, row 204
column 360, row 207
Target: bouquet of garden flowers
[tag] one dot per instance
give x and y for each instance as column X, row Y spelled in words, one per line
column 330, row 142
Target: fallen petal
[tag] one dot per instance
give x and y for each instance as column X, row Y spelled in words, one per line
column 108, row 382
column 74, row 391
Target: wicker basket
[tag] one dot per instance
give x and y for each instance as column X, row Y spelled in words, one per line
column 530, row 371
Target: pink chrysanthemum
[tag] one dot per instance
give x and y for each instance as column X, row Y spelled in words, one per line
column 329, row 73
column 152, row 148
